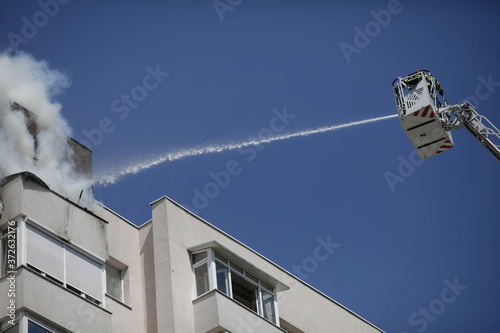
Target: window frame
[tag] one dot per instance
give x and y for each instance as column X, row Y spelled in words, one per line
column 37, row 321
column 39, row 324
column 214, row 258
column 122, row 290
column 194, row 266
column 4, row 250
column 29, row 223
column 24, row 318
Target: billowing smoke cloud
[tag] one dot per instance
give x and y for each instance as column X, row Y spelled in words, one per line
column 33, row 85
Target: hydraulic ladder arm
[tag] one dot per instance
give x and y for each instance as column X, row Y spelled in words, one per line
column 479, row 126
column 428, row 122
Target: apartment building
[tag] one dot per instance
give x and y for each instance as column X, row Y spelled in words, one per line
column 66, row 268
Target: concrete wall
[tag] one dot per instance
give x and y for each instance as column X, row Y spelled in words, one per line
column 302, row 306
column 312, row 312
column 216, row 312
column 124, row 253
column 25, row 196
column 57, row 305
column 10, row 193
column 159, row 293
column 148, row 272
column 82, row 157
column 170, row 312
column 64, row 218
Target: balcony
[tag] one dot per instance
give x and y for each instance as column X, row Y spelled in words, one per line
column 49, row 300
column 215, row 312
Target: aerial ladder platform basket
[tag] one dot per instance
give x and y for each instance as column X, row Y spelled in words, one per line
column 428, row 120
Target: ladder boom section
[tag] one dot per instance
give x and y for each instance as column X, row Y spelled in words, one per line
column 479, row 126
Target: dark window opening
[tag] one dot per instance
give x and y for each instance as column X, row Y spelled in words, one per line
column 244, row 292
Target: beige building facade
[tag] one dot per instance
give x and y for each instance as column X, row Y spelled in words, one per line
column 69, row 269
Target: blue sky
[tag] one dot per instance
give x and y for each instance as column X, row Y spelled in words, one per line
column 400, row 248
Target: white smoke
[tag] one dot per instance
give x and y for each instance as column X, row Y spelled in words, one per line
column 33, row 85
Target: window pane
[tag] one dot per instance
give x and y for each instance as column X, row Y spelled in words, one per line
column 221, row 258
column 201, row 276
column 265, row 285
column 83, row 273
column 236, row 268
column 244, row 292
column 4, row 269
column 222, row 278
column 114, row 282
column 199, row 257
column 251, row 277
column 268, row 306
column 45, row 253
column 34, row 328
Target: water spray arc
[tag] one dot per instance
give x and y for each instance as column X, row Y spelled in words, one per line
column 113, row 175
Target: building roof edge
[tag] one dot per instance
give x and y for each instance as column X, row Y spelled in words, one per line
column 266, row 259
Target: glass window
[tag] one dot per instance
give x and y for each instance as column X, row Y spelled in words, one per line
column 45, row 253
column 234, row 281
column 60, row 263
column 251, row 277
column 267, row 286
column 35, row 328
column 114, row 282
column 237, row 268
column 197, row 257
column 221, row 258
column 244, row 292
column 83, row 273
column 268, row 306
column 4, row 253
column 201, row 276
column 35, row 325
column 222, row 278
